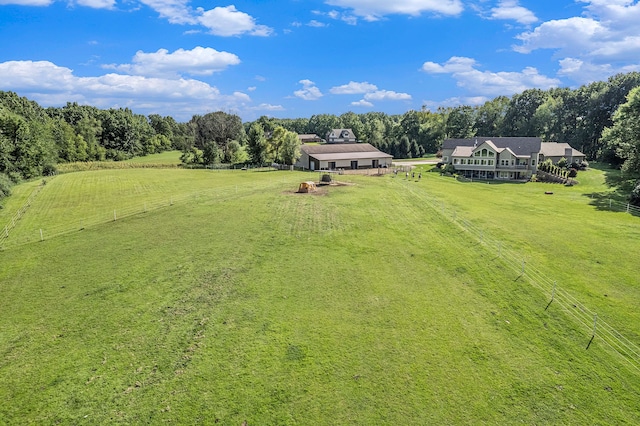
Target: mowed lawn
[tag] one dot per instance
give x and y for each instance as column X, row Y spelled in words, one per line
column 361, row 304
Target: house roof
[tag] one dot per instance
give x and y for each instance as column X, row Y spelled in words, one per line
column 557, row 149
column 462, row 151
column 350, row 156
column 337, row 133
column 309, row 136
column 339, row 151
column 520, row 146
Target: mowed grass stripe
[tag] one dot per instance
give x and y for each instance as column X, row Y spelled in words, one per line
column 213, row 310
column 75, row 201
column 589, row 252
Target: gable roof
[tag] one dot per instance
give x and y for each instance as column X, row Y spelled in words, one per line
column 557, row 149
column 337, row 133
column 309, row 137
column 520, row 146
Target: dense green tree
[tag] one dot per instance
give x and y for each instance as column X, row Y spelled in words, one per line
column 290, row 150
column 211, row 154
column 522, row 107
column 460, row 122
column 218, row 127
column 351, row 120
column 257, row 144
column 276, row 141
column 403, row 148
column 321, row 124
column 623, row 137
column 490, row 117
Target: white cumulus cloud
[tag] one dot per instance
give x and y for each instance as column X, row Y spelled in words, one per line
column 375, row 9
column 50, row 84
column 266, row 107
column 197, row 61
column 362, row 103
column 511, row 10
column 309, row 91
column 175, row 11
column 354, row 88
column 488, row 83
column 228, row 21
column 387, row 95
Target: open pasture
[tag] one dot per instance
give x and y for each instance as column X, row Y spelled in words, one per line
column 365, row 304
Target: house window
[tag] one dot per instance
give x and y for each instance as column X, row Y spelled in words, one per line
column 483, row 162
column 476, row 161
column 492, row 154
column 477, row 154
column 332, row 165
column 484, row 153
column 533, row 162
column 445, row 159
column 490, row 162
column 455, row 161
column 463, row 161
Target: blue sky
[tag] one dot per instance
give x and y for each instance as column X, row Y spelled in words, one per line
column 296, row 58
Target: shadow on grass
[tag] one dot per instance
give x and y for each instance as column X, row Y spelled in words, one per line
column 617, row 199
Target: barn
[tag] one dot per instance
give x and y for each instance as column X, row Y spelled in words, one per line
column 342, row 156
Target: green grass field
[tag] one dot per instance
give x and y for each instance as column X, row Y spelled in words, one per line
column 224, row 297
column 167, row 157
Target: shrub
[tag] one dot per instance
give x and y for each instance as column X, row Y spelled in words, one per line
column 634, row 197
column 449, row 169
column 562, row 163
column 5, row 186
column 573, row 172
column 49, row 170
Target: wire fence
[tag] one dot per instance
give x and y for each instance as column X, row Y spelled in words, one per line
column 584, row 316
column 11, row 224
column 617, row 206
column 8, row 238
column 588, row 319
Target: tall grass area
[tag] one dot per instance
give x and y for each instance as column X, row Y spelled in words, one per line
column 361, row 304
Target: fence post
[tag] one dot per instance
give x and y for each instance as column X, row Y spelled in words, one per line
column 609, row 202
column 627, row 207
column 41, row 236
column 115, row 217
column 523, row 266
column 6, row 231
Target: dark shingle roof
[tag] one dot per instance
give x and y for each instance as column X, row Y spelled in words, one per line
column 519, row 145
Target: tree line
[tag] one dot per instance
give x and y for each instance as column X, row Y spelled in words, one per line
column 590, row 118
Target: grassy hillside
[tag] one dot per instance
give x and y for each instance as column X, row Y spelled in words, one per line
column 361, row 304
